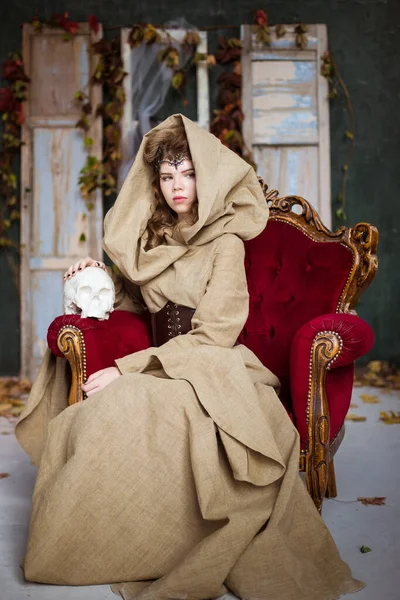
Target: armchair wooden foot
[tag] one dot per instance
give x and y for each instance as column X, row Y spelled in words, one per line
column 316, row 479
column 331, row 491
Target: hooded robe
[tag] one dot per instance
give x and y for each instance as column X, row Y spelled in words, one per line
column 180, row 477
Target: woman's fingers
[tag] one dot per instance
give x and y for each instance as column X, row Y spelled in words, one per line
column 91, row 385
column 92, row 391
column 68, row 273
column 82, row 264
column 94, row 376
column 97, row 381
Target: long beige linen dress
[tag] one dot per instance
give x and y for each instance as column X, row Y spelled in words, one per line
column 179, row 478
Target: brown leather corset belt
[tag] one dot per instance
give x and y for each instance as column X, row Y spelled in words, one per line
column 169, row 322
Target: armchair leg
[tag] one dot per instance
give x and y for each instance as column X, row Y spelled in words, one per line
column 71, row 344
column 331, row 491
column 325, row 348
column 316, row 479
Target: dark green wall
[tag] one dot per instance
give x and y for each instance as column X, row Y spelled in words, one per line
column 364, row 38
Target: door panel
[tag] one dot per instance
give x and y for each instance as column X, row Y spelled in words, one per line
column 286, row 109
column 56, row 226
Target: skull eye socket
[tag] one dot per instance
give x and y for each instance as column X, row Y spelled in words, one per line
column 104, row 293
column 86, row 290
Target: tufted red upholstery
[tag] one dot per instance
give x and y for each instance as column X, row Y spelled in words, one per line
column 291, row 280
column 123, row 333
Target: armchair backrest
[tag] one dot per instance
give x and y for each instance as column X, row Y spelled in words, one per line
column 298, row 270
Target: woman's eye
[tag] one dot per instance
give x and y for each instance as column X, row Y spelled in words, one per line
column 165, row 178
column 190, row 175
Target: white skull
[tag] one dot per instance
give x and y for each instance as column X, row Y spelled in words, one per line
column 90, row 293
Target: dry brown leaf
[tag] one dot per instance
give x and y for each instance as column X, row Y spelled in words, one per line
column 376, row 366
column 378, row 373
column 13, row 394
column 353, row 417
column 369, row 399
column 376, row 501
column 12, row 386
column 390, row 418
column 353, row 405
column 17, row 402
column 394, row 381
column 4, row 475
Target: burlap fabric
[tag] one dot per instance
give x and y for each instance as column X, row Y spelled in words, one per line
column 180, row 477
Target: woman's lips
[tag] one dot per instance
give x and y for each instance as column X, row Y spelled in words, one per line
column 179, row 199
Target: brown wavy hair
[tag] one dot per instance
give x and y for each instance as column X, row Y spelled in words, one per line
column 170, row 141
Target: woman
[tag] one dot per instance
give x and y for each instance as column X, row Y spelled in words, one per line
column 179, row 473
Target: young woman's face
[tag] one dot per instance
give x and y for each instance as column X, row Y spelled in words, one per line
column 178, row 186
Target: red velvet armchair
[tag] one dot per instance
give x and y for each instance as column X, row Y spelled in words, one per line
column 304, row 282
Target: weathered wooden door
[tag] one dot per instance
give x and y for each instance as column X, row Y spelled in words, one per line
column 53, row 214
column 286, row 108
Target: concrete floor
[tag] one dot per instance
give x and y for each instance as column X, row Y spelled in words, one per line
column 367, row 464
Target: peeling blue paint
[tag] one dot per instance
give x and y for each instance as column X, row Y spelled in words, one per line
column 47, row 304
column 58, row 158
column 84, row 66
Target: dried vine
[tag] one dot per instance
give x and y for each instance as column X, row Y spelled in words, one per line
column 148, row 34
column 331, row 72
column 109, row 73
column 228, row 120
column 11, row 109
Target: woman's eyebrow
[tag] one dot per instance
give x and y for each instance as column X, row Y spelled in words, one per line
column 185, row 171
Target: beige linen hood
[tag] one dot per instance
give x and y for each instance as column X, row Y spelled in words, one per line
column 229, row 196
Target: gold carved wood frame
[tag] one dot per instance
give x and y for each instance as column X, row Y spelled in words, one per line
column 362, row 239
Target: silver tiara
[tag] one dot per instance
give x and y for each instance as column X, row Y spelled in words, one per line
column 170, row 159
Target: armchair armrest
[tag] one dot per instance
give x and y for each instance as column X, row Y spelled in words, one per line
column 322, row 368
column 90, row 345
column 323, row 354
column 354, row 335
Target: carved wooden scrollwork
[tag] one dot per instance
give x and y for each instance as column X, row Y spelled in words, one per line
column 306, row 219
column 269, row 195
column 325, row 349
column 364, row 240
column 70, row 343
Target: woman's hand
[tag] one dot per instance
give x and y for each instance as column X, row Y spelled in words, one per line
column 97, row 381
column 82, row 264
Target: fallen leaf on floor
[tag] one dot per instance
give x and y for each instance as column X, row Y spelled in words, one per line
column 352, row 405
column 353, row 417
column 378, row 373
column 3, row 475
column 369, row 399
column 375, row 501
column 390, row 417
column 365, row 549
column 13, row 395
